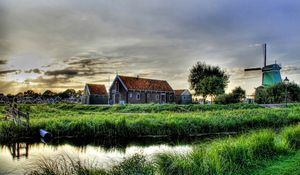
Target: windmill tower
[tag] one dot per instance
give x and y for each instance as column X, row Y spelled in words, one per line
column 270, row 73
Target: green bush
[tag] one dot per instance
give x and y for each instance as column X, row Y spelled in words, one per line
column 236, row 96
column 276, row 93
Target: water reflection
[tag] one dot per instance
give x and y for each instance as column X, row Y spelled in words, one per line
column 18, row 150
column 16, row 157
column 105, row 152
column 21, row 148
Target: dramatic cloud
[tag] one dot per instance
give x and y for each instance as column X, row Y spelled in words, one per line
column 8, row 71
column 65, row 72
column 69, row 43
column 37, row 71
column 3, row 62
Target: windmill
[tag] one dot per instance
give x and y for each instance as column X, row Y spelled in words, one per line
column 270, row 73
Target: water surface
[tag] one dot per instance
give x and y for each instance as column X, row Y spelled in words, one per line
column 16, row 157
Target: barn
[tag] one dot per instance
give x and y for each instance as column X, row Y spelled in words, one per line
column 136, row 90
column 95, row 94
column 183, row 96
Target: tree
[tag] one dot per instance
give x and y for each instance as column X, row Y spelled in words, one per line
column 207, row 80
column 261, row 95
column 211, row 86
column 20, row 94
column 49, row 94
column 79, row 93
column 68, row 93
column 276, row 93
column 31, row 93
column 236, row 96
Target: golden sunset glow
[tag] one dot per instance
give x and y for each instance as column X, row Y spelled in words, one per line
column 65, row 44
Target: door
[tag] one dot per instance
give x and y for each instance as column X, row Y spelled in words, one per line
column 115, row 98
column 163, row 98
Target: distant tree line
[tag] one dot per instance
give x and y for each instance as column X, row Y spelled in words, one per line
column 46, row 95
column 277, row 93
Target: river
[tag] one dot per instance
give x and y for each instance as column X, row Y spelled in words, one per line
column 17, row 157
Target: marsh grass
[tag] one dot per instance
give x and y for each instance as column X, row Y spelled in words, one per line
column 291, row 137
column 238, row 155
column 130, row 108
column 65, row 165
column 89, row 123
column 61, row 164
column 228, row 156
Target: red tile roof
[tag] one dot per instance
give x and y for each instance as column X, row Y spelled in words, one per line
column 136, row 83
column 97, row 89
column 178, row 92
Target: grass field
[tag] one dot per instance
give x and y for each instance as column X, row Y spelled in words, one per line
column 255, row 151
column 100, row 121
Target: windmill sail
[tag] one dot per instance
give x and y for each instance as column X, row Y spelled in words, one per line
column 270, row 73
column 252, row 69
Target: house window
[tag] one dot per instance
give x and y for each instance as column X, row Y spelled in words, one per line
column 130, row 95
column 157, row 97
column 170, row 97
column 138, row 96
column 148, row 95
column 184, row 97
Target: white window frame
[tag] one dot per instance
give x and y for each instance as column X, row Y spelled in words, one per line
column 130, row 94
column 138, row 96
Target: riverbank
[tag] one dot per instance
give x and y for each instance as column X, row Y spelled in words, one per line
column 252, row 153
column 67, row 122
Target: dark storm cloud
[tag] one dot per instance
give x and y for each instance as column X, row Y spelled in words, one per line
column 37, row 71
column 71, row 72
column 64, row 72
column 9, row 71
column 3, row 62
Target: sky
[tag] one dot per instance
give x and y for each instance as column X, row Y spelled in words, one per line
column 65, row 44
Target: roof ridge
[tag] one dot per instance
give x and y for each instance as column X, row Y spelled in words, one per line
column 140, row 78
column 145, row 83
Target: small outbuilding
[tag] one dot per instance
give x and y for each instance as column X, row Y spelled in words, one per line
column 183, row 96
column 94, row 94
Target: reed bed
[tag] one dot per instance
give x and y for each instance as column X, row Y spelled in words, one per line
column 239, row 155
column 130, row 125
